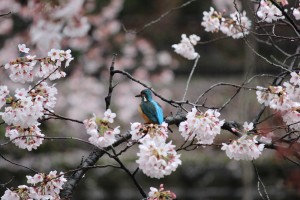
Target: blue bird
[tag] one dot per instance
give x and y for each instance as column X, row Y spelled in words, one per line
column 150, row 109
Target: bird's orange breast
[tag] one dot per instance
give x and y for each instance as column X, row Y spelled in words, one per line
column 146, row 119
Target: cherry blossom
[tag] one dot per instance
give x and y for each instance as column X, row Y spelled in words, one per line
column 3, row 93
column 194, row 39
column 275, row 97
column 237, row 26
column 21, row 69
column 54, row 54
column 211, row 20
column 292, row 118
column 269, row 12
column 29, row 105
column 285, row 98
column 109, row 116
column 295, row 78
column 51, row 67
column 186, row 47
column 25, row 138
column 42, row 187
column 47, row 185
column 24, row 113
column 156, row 158
column 161, row 193
column 23, row 48
column 248, row 126
column 10, row 195
column 244, row 148
column 202, row 126
column 101, row 135
column 138, row 131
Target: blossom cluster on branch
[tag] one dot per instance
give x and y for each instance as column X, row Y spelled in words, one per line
column 23, row 112
column 202, row 126
column 41, row 186
column 237, row 26
column 160, row 194
column 101, row 134
column 285, row 99
column 157, row 157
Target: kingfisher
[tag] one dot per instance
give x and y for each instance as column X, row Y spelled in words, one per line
column 150, row 110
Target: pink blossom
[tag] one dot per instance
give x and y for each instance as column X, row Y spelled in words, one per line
column 248, row 126
column 244, row 148
column 186, row 47
column 202, row 126
column 3, row 93
column 22, row 48
column 161, row 193
column 237, row 26
column 269, row 12
column 54, row 54
column 10, row 195
column 157, row 158
column 101, row 135
column 211, row 20
column 109, row 116
column 25, row 138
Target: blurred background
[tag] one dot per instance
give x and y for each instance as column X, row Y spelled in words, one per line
column 94, row 31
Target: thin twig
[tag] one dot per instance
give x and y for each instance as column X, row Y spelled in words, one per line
column 19, row 165
column 260, row 182
column 159, row 18
column 190, row 77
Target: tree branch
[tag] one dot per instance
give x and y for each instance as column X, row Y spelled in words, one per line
column 92, row 158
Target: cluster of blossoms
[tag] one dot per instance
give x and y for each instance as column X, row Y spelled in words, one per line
column 23, row 111
column 42, row 187
column 202, row 126
column 268, row 12
column 22, row 69
column 157, row 158
column 101, row 134
column 25, row 138
column 3, row 93
column 160, row 194
column 244, row 148
column 237, row 26
column 186, row 46
column 26, row 108
column 285, row 99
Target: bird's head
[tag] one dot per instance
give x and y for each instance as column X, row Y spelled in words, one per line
column 146, row 95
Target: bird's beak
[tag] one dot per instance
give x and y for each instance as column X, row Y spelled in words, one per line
column 139, row 95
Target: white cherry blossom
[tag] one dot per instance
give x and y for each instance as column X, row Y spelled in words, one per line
column 109, row 116
column 244, row 148
column 101, row 135
column 157, row 158
column 211, row 20
column 186, row 47
column 269, row 12
column 202, row 126
column 23, row 48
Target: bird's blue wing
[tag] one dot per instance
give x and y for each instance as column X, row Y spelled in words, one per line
column 159, row 112
column 150, row 110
